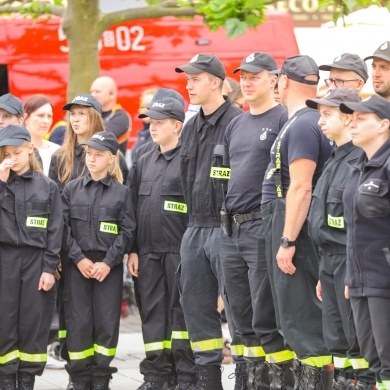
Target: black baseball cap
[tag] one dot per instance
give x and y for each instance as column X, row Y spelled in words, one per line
column 104, row 140
column 349, row 61
column 204, row 63
column 334, row 97
column 14, row 135
column 298, row 67
column 375, row 104
column 257, row 62
column 163, row 93
column 11, row 104
column 383, row 52
column 165, row 108
column 84, row 99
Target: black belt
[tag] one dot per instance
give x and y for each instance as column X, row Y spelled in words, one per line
column 241, row 218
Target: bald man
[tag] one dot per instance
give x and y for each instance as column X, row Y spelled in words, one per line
column 116, row 119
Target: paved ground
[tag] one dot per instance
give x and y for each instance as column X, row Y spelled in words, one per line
column 129, row 354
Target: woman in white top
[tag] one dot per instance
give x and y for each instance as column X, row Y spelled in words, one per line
column 38, row 118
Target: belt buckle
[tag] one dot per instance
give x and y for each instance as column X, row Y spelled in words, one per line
column 234, row 218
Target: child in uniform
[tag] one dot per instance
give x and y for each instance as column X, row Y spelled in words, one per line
column 99, row 230
column 31, row 226
column 161, row 222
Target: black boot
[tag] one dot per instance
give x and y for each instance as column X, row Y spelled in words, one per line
column 250, row 373
column 186, row 381
column 100, row 384
column 240, row 376
column 159, row 384
column 209, row 378
column 318, row 378
column 26, row 381
column 358, row 385
column 8, row 382
column 81, row 385
column 262, row 379
column 282, row 376
column 172, row 382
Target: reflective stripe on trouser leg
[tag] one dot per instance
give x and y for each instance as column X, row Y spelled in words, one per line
column 280, row 356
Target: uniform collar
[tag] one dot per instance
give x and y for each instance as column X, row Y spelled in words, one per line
column 168, row 155
column 106, row 180
column 79, row 150
column 29, row 174
column 343, row 150
column 214, row 116
column 379, row 159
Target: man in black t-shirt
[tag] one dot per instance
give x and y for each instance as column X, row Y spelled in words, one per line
column 247, row 143
column 297, row 159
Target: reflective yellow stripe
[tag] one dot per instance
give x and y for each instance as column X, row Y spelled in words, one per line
column 33, row 357
column 176, row 207
column 359, row 364
column 107, row 227
column 9, row 356
column 317, row 361
column 179, row 335
column 158, row 346
column 207, row 345
column 336, row 222
column 237, row 350
column 220, row 173
column 37, row 222
column 254, row 351
column 62, row 334
column 279, row 357
column 341, row 362
column 386, row 385
column 104, row 351
column 81, row 355
column 380, row 386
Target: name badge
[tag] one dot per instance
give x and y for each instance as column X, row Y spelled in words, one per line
column 107, row 227
column 220, row 173
column 336, row 222
column 175, row 206
column 37, row 222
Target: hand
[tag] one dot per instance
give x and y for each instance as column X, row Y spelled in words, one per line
column 319, row 291
column 346, row 292
column 46, row 281
column 284, row 258
column 85, row 266
column 5, row 168
column 100, row 271
column 132, row 264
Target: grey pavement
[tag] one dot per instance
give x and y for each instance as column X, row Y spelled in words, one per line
column 129, row 354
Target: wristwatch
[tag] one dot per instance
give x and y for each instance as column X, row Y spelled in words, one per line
column 285, row 242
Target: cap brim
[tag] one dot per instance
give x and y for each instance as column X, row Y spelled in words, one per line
column 313, row 103
column 276, row 71
column 9, row 109
column 96, row 145
column 250, row 68
column 69, row 105
column 383, row 57
column 349, row 108
column 154, row 115
column 189, row 69
column 13, row 142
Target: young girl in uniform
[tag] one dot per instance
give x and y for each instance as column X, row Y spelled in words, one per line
column 31, row 225
column 99, row 230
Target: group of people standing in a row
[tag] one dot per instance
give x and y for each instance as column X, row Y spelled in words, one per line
column 274, row 209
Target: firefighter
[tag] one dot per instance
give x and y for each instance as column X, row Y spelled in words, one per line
column 99, row 230
column 161, row 222
column 31, row 226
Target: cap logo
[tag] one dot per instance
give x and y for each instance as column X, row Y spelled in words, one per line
column 250, row 58
column 98, row 137
column 161, row 105
column 384, row 46
column 83, row 98
column 194, row 58
column 337, row 59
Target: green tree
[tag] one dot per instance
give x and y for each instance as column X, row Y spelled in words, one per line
column 84, row 18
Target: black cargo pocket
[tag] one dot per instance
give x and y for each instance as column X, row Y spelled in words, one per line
column 79, row 215
column 8, row 207
column 188, row 159
column 372, row 199
column 172, row 199
column 335, row 208
column 37, row 219
column 108, row 227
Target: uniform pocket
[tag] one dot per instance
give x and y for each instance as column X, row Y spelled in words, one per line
column 335, row 208
column 172, row 199
column 109, row 218
column 373, row 198
column 79, row 217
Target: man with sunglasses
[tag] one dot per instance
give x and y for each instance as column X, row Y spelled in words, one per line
column 346, row 71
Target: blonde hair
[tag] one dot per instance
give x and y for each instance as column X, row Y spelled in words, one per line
column 32, row 160
column 114, row 169
column 65, row 153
